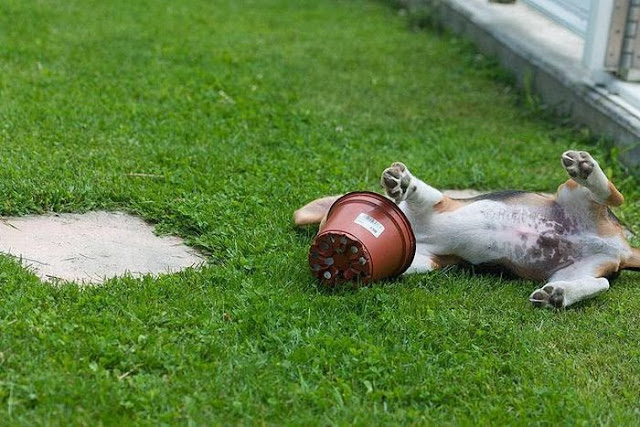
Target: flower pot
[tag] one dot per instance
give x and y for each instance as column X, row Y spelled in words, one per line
column 365, row 238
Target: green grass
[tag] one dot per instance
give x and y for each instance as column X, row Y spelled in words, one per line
column 240, row 112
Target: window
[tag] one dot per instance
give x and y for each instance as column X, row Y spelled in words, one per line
column 573, row 14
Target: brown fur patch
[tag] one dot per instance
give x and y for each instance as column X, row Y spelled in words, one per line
column 606, row 226
column 441, row 261
column 616, row 198
column 633, row 262
column 571, row 184
column 448, row 204
column 607, row 269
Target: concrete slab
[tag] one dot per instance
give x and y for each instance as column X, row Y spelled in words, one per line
column 89, row 248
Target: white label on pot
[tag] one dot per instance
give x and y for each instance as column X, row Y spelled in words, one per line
column 372, row 225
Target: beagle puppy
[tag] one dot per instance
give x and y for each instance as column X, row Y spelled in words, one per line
column 570, row 241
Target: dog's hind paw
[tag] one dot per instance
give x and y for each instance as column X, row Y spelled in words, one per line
column 396, row 181
column 548, row 296
column 578, row 164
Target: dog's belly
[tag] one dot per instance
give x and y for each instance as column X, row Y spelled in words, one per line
column 533, row 241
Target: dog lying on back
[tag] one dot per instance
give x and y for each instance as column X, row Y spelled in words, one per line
column 571, row 241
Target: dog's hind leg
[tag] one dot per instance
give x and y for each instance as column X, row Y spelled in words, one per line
column 575, row 283
column 563, row 293
column 588, row 181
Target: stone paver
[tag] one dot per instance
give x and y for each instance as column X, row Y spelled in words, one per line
column 91, row 247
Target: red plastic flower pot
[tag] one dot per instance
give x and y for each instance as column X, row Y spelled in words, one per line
column 365, row 238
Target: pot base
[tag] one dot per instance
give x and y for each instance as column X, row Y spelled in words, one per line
column 336, row 258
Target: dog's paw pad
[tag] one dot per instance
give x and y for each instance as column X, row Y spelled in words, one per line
column 396, row 180
column 578, row 164
column 548, row 296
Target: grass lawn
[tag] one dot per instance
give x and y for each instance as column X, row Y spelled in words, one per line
column 215, row 120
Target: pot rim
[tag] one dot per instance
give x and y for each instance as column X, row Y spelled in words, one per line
column 404, row 227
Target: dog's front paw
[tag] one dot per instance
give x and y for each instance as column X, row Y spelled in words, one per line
column 396, row 180
column 548, row 296
column 578, row 164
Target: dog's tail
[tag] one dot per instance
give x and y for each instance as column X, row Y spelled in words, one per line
column 633, row 263
column 314, row 212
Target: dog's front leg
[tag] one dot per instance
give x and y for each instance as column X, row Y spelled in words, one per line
column 401, row 186
column 423, row 261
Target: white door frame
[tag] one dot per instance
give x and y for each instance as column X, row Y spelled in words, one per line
column 596, row 40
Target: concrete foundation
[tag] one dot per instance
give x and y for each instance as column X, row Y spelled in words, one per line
column 546, row 59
